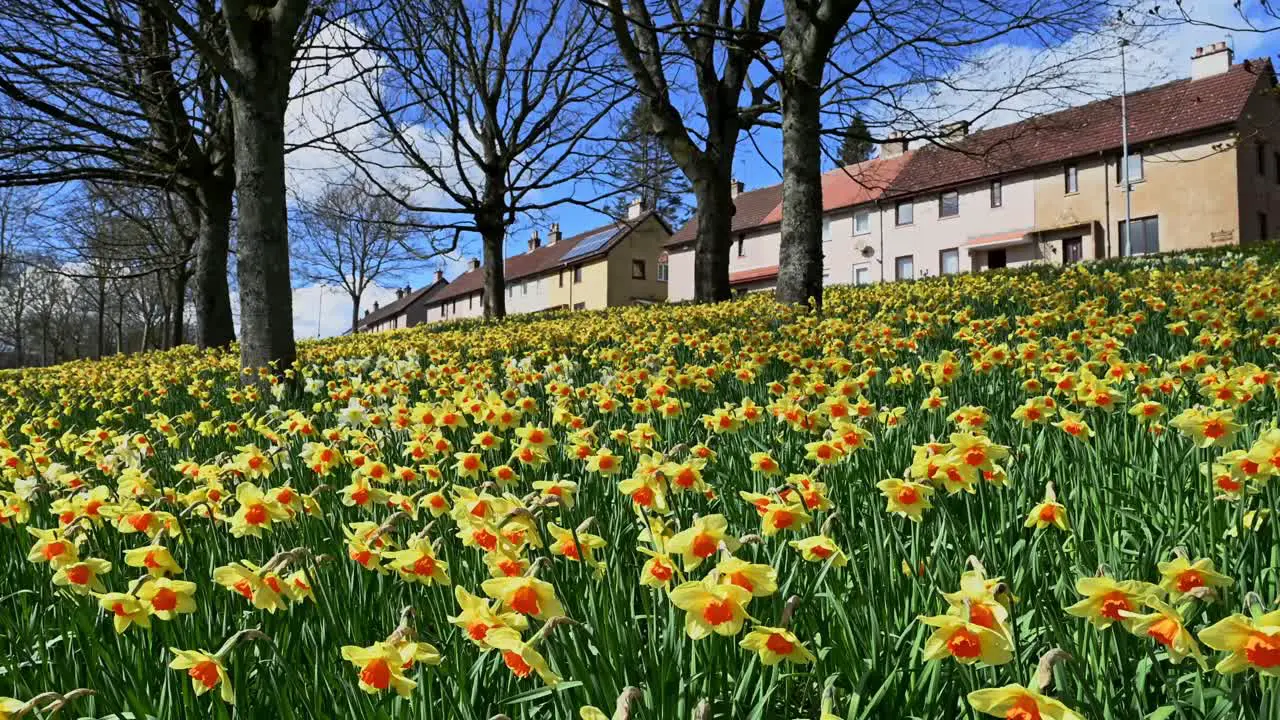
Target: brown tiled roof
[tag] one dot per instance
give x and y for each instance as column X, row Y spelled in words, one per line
column 751, row 208
column 395, row 308
column 1162, row 112
column 541, row 260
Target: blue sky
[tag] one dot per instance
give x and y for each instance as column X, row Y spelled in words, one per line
column 1158, row 57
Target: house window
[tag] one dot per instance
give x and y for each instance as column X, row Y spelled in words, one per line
column 471, row 300
column 455, row 307
column 577, row 274
column 663, row 268
column 562, row 277
column 904, row 212
column 997, row 193
column 949, row 204
column 904, row 268
column 1145, row 238
column 861, row 275
column 1264, row 232
column 524, row 288
column 742, row 247
column 1262, row 155
column 862, row 222
column 444, row 311
column 1071, row 179
column 826, row 229
column 949, row 261
column 580, row 306
column 1135, row 168
column 637, row 269
column 1072, row 250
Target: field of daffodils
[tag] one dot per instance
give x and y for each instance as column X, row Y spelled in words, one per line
column 1029, row 495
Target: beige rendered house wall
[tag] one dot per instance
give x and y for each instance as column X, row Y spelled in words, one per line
column 592, row 292
column 1188, row 183
column 644, row 243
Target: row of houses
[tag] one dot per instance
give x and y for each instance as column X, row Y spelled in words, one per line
column 618, row 263
column 1202, row 171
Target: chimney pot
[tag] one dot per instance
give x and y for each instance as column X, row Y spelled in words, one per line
column 553, row 236
column 375, row 305
column 534, row 241
column 475, row 263
column 636, row 207
column 439, row 275
column 736, row 187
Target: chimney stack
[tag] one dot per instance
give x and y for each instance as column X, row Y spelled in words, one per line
column 535, row 242
column 553, row 236
column 475, row 263
column 399, row 293
column 375, row 306
column 1212, row 60
column 893, row 146
column 439, row 275
column 636, row 207
column 408, row 289
column 955, row 130
column 736, row 187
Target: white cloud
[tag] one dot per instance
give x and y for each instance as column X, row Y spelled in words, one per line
column 1083, row 68
column 325, row 310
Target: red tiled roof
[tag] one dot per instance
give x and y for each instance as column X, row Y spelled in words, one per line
column 541, row 260
column 750, row 209
column 743, row 277
column 855, row 184
column 1165, row 111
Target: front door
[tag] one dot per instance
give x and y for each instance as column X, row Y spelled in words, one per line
column 1072, row 250
column 996, row 259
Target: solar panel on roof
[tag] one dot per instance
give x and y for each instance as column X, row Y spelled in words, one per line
column 590, row 244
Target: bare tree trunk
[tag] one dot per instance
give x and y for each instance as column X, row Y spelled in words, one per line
column 262, row 40
column 215, row 326
column 714, row 239
column 178, row 298
column 165, row 310
column 102, row 317
column 800, row 255
column 355, row 311
column 493, row 236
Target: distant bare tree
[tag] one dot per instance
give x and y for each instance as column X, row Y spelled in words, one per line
column 107, row 91
column 716, row 43
column 493, row 106
column 352, row 236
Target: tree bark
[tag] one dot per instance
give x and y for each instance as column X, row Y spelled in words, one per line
column 178, row 307
column 355, row 312
column 800, row 255
column 102, row 318
column 215, row 326
column 714, row 239
column 493, row 235
column 262, row 47
column 805, row 46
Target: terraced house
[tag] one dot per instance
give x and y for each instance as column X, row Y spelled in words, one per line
column 1203, row 170
column 613, row 264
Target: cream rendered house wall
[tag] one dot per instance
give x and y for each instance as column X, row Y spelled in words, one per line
column 928, row 235
column 592, row 292
column 529, row 294
column 680, row 274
